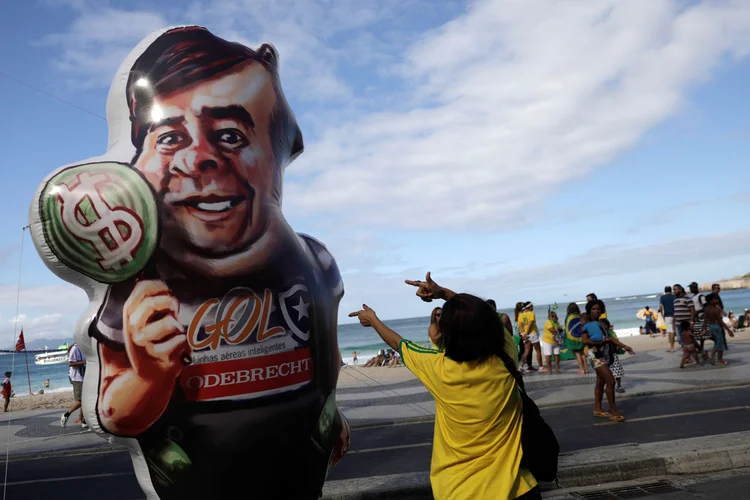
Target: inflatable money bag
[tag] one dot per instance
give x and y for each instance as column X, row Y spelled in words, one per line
column 211, row 332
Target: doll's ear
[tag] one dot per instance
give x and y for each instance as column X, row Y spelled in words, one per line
column 269, row 55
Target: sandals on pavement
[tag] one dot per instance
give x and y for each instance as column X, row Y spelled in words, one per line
column 602, row 414
column 617, row 418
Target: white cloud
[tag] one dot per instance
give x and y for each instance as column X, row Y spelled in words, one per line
column 656, row 265
column 48, row 311
column 475, row 121
column 44, row 298
column 514, row 98
column 304, row 32
column 97, row 42
column 506, row 99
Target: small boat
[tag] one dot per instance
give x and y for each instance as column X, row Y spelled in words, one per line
column 54, row 357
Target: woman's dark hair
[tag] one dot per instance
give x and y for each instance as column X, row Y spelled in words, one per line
column 434, row 316
column 590, row 304
column 8, row 374
column 573, row 308
column 471, row 329
column 518, row 309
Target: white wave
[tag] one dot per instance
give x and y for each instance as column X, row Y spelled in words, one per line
column 627, row 332
column 652, row 296
column 46, row 391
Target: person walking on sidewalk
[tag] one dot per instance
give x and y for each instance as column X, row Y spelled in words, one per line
column 76, row 371
column 688, row 346
column 7, row 390
column 684, row 310
column 476, row 452
column 716, row 328
column 666, row 309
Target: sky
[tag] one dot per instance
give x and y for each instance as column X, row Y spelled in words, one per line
column 519, row 150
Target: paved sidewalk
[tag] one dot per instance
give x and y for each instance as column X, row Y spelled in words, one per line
column 365, row 401
column 38, row 432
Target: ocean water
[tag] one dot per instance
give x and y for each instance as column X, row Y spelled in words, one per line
column 15, row 362
column 621, row 312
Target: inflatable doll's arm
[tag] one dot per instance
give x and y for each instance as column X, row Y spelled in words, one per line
column 138, row 382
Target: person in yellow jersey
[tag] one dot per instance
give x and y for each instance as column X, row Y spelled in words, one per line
column 432, row 332
column 477, row 451
column 530, row 335
column 550, row 344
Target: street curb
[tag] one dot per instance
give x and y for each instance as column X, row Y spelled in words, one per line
column 588, row 467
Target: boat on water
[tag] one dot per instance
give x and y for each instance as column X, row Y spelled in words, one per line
column 52, row 357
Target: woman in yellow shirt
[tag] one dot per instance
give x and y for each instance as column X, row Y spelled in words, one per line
column 476, row 452
column 550, row 346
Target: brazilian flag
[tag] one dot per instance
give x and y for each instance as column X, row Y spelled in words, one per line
column 573, row 333
column 565, row 352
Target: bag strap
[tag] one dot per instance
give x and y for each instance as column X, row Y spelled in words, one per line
column 511, row 367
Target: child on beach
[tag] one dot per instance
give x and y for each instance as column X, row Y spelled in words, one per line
column 7, row 390
column 688, row 345
column 593, row 328
column 615, row 366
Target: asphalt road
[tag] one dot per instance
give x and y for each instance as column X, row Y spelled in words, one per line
column 407, row 448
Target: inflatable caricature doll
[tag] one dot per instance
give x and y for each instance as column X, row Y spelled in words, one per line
column 211, row 333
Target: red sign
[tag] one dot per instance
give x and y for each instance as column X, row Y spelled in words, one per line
column 237, row 378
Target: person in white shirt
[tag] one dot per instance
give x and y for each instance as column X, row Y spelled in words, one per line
column 76, row 371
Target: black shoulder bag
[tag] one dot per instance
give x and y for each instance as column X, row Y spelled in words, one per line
column 540, row 447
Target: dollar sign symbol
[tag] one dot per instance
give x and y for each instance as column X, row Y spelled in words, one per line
column 116, row 233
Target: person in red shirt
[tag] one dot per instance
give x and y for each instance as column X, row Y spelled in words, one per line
column 7, row 390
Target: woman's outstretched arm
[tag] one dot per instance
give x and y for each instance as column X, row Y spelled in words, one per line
column 368, row 318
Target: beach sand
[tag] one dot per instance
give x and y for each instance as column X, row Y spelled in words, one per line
column 358, row 377
column 49, row 400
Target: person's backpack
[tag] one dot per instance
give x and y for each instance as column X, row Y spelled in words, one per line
column 538, row 441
